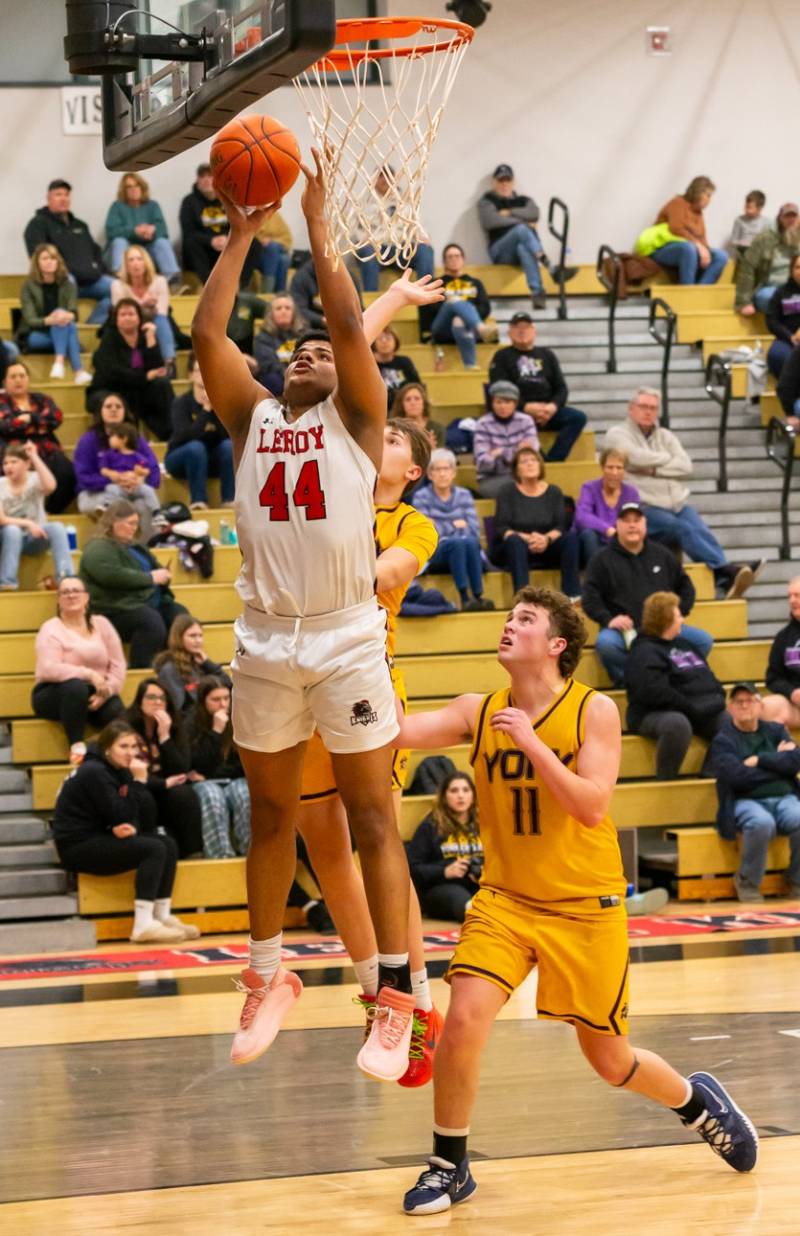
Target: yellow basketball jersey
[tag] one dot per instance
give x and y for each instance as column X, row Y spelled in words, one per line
column 404, row 526
column 533, row 848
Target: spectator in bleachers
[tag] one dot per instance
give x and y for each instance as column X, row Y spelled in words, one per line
column 421, row 261
column 125, row 460
column 672, row 691
column 756, row 764
column 749, row 224
column 658, row 465
column 618, row 581
column 451, row 509
column 411, row 403
column 96, row 491
column 498, row 435
column 530, row 526
column 689, row 253
column 461, row 318
column 129, row 362
column 166, row 751
column 55, row 224
column 445, row 855
column 30, row 416
column 184, row 663
column 765, row 265
column 137, row 280
column 599, row 502
column 135, row 219
column 127, row 583
column 783, row 667
column 783, row 319
column 80, row 668
column 274, row 344
column 788, row 388
column 199, row 446
column 543, row 388
column 509, row 221
column 396, row 369
column 49, row 314
column 305, row 294
column 275, row 240
column 224, row 794
column 204, row 230
column 105, row 823
column 8, row 352
column 24, row 485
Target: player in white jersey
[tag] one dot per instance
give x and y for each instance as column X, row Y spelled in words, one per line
column 310, row 645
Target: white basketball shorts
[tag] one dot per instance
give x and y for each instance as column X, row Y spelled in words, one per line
column 330, row 671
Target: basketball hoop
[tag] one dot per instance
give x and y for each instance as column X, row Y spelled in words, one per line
column 374, row 112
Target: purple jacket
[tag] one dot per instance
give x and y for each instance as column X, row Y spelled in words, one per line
column 86, row 461
column 593, row 512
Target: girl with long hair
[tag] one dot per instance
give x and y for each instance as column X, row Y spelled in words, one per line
column 445, row 854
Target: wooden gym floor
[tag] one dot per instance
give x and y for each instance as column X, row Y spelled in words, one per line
column 120, row 1112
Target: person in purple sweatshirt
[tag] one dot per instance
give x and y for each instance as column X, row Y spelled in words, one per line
column 499, row 435
column 599, row 502
column 451, row 508
column 94, row 493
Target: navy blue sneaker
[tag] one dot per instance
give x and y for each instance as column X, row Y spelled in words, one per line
column 723, row 1125
column 439, row 1188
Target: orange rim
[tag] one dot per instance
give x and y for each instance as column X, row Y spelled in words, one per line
column 362, row 30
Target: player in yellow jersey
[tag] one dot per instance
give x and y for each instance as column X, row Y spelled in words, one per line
column 546, row 755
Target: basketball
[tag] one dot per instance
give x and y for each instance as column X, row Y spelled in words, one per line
column 255, row 160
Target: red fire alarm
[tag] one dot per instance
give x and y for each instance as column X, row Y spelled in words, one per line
column 658, row 40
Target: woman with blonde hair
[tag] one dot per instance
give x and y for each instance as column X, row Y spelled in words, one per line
column 184, row 662
column 134, row 219
column 137, row 280
column 411, row 402
column 49, row 313
column 688, row 250
column 274, row 344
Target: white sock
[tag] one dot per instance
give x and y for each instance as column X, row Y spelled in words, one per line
column 265, row 956
column 421, row 990
column 367, row 974
column 142, row 916
column 393, row 960
column 162, row 909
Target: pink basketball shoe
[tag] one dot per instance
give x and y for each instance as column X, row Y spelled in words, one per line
column 264, row 1009
column 384, row 1055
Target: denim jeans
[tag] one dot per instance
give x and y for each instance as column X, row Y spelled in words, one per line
column 683, row 255
column 421, row 263
column 763, row 296
column 274, row 266
column 100, row 291
column 446, row 328
column 513, row 553
column 161, row 251
column 63, row 340
column 761, row 819
column 193, row 462
column 164, row 336
column 520, row 246
column 777, row 356
column 461, row 557
column 689, row 530
column 589, row 542
column 17, row 541
column 568, row 424
column 610, row 648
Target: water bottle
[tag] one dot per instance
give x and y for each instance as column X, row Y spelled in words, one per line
column 438, row 360
column 224, row 532
column 72, row 536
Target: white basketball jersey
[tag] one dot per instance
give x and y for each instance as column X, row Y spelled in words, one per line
column 304, row 514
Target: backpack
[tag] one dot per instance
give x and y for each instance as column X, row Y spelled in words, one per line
column 431, row 773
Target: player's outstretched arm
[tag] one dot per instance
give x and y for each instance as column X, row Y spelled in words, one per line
column 231, row 388
column 446, row 727
column 404, row 291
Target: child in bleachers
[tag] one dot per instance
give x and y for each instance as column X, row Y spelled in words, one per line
column 749, row 224
column 122, row 456
column 24, row 485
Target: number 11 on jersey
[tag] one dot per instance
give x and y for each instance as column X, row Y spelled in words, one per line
column 525, row 809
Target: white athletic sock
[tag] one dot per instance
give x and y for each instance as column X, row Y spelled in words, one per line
column 142, row 916
column 265, row 956
column 367, row 974
column 393, row 960
column 421, row 990
column 162, row 909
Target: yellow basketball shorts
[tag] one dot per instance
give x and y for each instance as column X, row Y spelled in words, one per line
column 580, row 947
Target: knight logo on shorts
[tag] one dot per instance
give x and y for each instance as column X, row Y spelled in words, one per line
column 363, row 713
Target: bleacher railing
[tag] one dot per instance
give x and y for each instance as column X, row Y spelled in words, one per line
column 718, row 388
column 781, row 439
column 661, row 325
column 558, row 224
column 611, row 283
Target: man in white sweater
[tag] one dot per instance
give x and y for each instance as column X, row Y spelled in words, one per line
column 658, row 466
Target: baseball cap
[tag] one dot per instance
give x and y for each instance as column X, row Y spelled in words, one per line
column 521, row 316
column 504, row 390
column 59, row 184
column 789, row 208
column 627, row 507
column 503, row 171
column 749, row 687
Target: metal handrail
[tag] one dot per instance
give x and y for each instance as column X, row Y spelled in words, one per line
column 779, row 431
column 556, row 204
column 718, row 387
column 604, row 253
column 660, row 312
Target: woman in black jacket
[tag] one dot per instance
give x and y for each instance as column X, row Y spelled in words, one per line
column 672, row 692
column 153, row 716
column 105, row 823
column 783, row 319
column 129, row 362
column 199, row 446
column 223, row 792
column 445, row 854
column 530, row 525
column 274, row 344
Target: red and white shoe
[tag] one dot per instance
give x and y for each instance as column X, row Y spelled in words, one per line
column 384, row 1055
column 265, row 1007
column 425, row 1034
column 368, row 1005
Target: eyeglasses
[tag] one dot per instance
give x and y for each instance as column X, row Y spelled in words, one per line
column 151, row 695
column 72, row 592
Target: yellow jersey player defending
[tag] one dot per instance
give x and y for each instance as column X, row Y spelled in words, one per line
column 546, row 754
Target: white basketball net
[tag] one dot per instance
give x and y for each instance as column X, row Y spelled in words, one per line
column 374, row 124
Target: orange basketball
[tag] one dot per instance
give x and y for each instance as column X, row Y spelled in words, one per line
column 255, row 160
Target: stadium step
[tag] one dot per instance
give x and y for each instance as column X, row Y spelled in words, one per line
column 59, row 906
column 22, row 830
column 31, row 881
column 13, row 856
column 48, row 935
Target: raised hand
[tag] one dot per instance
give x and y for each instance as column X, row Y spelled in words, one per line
column 313, row 199
column 244, row 223
column 425, row 291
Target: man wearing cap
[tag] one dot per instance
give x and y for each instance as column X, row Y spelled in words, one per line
column 508, row 218
column 204, row 230
column 767, row 261
column 618, row 581
column 55, row 224
column 498, row 436
column 756, row 765
column 658, row 466
column 543, row 390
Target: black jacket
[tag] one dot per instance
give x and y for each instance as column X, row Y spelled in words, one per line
column 429, row 853
column 783, row 311
column 396, row 373
column 670, row 675
column 273, row 350
column 191, row 423
column 467, row 288
column 783, row 667
column 618, row 582
column 202, row 218
column 112, row 364
column 735, row 779
column 97, row 797
column 82, row 255
column 305, row 294
column 536, row 372
column 789, row 382
column 208, row 757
